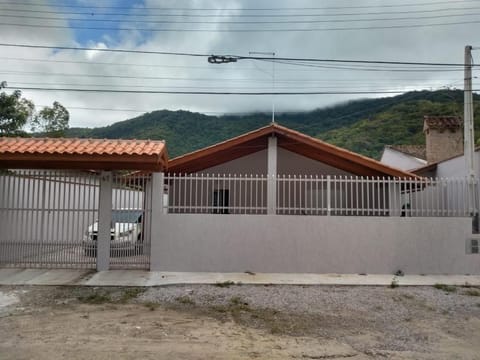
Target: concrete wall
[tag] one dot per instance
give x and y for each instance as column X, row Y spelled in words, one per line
column 400, row 160
column 312, row 244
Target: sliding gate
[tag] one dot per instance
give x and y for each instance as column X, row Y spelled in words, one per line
column 49, row 219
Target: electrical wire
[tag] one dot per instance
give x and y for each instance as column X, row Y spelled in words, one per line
column 283, row 30
column 222, row 15
column 113, row 91
column 289, row 59
column 410, row 18
column 242, row 9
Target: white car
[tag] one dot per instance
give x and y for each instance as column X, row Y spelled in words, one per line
column 125, row 234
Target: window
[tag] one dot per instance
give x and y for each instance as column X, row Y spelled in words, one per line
column 220, row 201
column 474, row 248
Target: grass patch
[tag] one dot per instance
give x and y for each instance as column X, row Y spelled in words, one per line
column 129, row 294
column 446, row 288
column 95, row 298
column 109, row 295
column 150, row 305
column 225, row 284
column 185, row 300
column 472, row 292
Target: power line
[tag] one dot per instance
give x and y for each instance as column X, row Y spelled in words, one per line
column 206, row 67
column 385, row 62
column 106, row 50
column 384, row 27
column 378, row 87
column 216, row 15
column 213, row 92
column 242, row 9
column 209, row 79
column 409, row 18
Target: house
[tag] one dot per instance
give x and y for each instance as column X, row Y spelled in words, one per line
column 276, row 200
column 270, row 200
column 443, row 140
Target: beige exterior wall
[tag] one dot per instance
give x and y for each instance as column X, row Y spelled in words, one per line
column 312, row 244
column 443, row 144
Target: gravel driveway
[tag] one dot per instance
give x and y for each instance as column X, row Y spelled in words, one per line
column 228, row 321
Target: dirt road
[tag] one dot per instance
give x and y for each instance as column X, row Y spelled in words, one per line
column 239, row 322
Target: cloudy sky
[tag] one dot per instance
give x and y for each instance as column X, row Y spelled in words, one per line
column 391, row 30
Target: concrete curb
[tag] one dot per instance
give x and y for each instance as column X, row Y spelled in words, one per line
column 147, row 278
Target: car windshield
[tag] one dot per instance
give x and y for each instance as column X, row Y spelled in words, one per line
column 127, row 216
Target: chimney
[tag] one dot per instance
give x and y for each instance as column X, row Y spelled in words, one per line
column 443, row 137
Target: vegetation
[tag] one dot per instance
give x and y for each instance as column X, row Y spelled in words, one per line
column 446, row 288
column 16, row 113
column 363, row 126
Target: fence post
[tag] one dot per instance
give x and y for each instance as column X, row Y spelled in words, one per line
column 272, row 176
column 104, row 221
column 329, row 195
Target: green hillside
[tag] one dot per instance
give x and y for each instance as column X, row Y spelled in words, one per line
column 363, row 126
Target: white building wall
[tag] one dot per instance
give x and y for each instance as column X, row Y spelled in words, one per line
column 400, row 160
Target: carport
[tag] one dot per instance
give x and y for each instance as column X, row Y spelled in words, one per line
column 59, row 199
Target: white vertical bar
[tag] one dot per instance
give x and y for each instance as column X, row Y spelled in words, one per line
column 104, row 221
column 329, row 196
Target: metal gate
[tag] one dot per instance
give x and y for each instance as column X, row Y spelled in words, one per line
column 45, row 216
column 49, row 219
column 131, row 220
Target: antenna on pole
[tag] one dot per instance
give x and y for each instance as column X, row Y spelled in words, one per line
column 273, row 78
column 469, row 141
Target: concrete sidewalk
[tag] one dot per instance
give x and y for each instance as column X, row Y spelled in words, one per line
column 147, row 278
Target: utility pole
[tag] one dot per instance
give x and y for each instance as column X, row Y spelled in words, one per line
column 273, row 78
column 468, row 137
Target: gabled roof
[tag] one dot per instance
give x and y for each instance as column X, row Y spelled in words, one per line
column 417, row 151
column 288, row 139
column 88, row 154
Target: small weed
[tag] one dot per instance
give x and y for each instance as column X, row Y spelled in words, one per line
column 129, row 294
column 95, row 298
column 394, row 283
column 224, row 284
column 150, row 305
column 249, row 272
column 238, row 302
column 185, row 300
column 446, row 288
column 472, row 292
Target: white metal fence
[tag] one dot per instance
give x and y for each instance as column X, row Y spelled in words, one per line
column 43, row 218
column 49, row 219
column 217, row 194
column 321, row 195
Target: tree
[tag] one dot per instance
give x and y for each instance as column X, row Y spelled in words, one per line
column 15, row 112
column 52, row 121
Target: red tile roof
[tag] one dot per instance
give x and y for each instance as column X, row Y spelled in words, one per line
column 82, row 153
column 288, row 139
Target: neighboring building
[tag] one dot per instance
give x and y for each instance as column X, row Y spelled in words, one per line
column 443, row 140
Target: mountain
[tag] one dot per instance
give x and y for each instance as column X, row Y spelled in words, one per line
column 363, row 126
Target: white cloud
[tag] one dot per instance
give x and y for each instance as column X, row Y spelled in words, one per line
column 442, row 44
